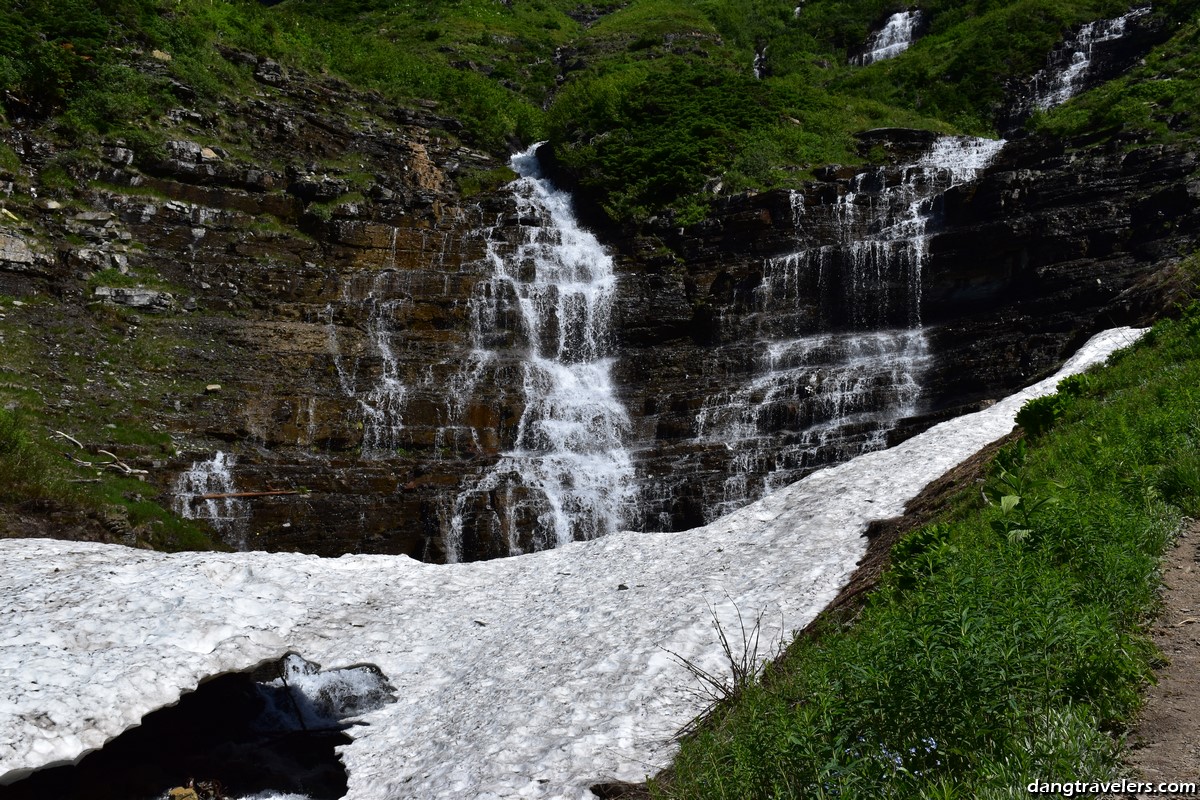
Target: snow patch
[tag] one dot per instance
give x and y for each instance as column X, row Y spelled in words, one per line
column 524, row 677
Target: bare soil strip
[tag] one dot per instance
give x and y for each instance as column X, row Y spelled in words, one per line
column 1164, row 745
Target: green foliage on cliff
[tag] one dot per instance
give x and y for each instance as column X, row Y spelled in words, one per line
column 34, row 479
column 1159, row 100
column 610, row 130
column 25, row 469
column 648, row 104
column 1008, row 638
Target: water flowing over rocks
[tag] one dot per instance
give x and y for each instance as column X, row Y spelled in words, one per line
column 194, row 498
column 423, row 365
column 1096, row 52
column 897, row 34
column 814, row 356
column 566, row 475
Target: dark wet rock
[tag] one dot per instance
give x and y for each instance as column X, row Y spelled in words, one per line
column 281, row 277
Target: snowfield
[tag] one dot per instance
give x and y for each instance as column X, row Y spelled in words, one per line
column 533, row 676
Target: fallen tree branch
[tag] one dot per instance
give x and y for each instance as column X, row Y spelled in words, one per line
column 117, row 463
column 269, row 493
column 70, row 439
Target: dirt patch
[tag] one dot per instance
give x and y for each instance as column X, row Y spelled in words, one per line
column 1165, row 743
column 54, row 521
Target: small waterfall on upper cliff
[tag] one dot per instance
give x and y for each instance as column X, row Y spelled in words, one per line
column 1067, row 71
column 226, row 515
column 760, row 62
column 826, row 397
column 891, row 40
column 567, row 474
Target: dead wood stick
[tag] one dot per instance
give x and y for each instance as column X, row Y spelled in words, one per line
column 271, row 493
column 70, row 439
column 117, row 463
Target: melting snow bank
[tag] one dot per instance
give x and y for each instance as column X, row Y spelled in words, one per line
column 524, row 677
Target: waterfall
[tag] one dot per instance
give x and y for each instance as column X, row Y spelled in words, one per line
column 383, row 404
column 818, row 398
column 381, row 297
column 870, row 277
column 760, row 62
column 891, row 40
column 1067, row 69
column 227, row 514
column 546, row 306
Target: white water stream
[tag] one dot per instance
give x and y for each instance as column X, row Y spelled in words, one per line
column 830, row 396
column 1066, row 74
column 214, row 476
column 569, row 475
column 891, row 40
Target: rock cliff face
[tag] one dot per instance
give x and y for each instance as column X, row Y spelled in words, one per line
column 1018, row 268
column 296, row 282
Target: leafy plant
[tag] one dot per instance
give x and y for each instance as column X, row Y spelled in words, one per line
column 1018, row 497
column 1040, row 414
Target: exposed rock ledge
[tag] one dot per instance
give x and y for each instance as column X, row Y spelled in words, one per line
column 537, row 675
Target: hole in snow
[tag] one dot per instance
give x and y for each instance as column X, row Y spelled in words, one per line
column 268, row 734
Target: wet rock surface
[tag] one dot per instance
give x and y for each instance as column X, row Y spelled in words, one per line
column 322, row 266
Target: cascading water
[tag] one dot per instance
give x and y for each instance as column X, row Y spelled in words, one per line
column 381, row 405
column 760, row 62
column 1067, row 71
column 830, row 396
column 227, row 515
column 891, row 40
column 546, row 309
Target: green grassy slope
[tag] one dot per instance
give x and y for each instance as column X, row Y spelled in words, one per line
column 1008, row 641
column 650, row 104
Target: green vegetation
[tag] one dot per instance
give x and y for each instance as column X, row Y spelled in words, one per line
column 109, row 67
column 476, row 181
column 10, row 162
column 99, row 396
column 1158, row 100
column 25, row 468
column 1007, row 642
column 664, row 116
column 650, row 105
column 33, row 475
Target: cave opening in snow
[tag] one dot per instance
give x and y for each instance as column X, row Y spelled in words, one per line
column 267, row 734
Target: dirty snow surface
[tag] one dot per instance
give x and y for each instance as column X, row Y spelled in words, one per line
column 533, row 676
